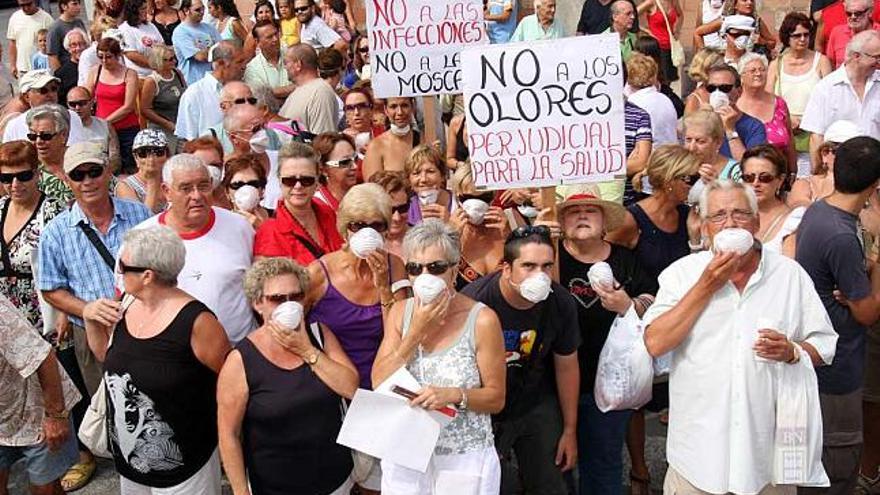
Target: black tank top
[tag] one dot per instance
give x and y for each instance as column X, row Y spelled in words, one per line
column 290, row 428
column 161, row 403
column 657, row 248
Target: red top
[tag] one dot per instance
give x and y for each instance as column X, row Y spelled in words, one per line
column 189, row 236
column 657, row 26
column 834, row 15
column 109, row 98
column 283, row 235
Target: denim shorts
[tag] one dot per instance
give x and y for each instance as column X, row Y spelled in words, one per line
column 43, row 466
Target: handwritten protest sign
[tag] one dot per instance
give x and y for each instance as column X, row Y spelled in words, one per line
column 415, row 44
column 545, row 113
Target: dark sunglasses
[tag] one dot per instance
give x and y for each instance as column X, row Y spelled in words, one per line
column 23, row 176
column 402, row 209
column 357, row 106
column 283, row 298
column 689, row 179
column 763, row 178
column 256, row 183
column 856, row 14
column 51, row 88
column 305, row 180
column 45, row 136
column 77, row 103
column 250, row 100
column 530, row 230
column 343, row 163
column 79, row 175
column 377, row 226
column 485, row 197
column 145, row 152
column 799, row 35
column 724, row 88
column 434, row 268
column 737, row 34
column 123, row 268
column 301, row 9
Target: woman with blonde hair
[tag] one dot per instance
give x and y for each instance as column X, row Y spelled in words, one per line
column 703, row 136
column 698, row 71
column 161, row 91
column 483, row 228
column 426, row 171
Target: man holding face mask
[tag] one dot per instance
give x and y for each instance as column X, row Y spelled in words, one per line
column 539, row 419
column 742, row 131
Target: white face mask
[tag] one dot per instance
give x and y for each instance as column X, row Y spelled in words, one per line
column 400, row 130
column 365, row 241
column 288, row 314
column 259, row 142
column 716, row 4
column 717, row 99
column 476, row 209
column 742, row 42
column 427, row 287
column 527, row 211
column 216, row 176
column 535, row 288
column 733, row 239
column 119, row 280
column 246, row 198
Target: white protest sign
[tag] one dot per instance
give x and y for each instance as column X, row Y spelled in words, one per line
column 545, row 113
column 415, row 44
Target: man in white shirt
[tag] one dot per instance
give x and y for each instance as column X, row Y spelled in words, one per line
column 22, row 34
column 851, row 92
column 200, row 104
column 40, row 87
column 219, row 243
column 731, row 322
column 315, row 32
column 314, row 103
column 267, row 67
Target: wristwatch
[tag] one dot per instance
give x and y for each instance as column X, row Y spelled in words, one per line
column 732, row 135
column 313, row 359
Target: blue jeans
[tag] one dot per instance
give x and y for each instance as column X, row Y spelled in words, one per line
column 600, row 448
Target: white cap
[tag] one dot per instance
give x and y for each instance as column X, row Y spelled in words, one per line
column 737, row 21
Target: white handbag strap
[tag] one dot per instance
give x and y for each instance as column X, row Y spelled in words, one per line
column 665, row 18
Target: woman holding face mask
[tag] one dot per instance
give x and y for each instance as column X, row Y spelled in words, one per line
column 150, row 150
column 338, row 167
column 483, row 228
column 426, row 171
column 244, row 179
column 453, row 346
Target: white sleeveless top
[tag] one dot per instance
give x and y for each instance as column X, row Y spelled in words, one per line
column 789, row 226
column 795, row 90
column 712, row 40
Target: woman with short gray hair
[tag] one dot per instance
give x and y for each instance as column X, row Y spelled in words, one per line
column 48, row 128
column 158, row 345
column 453, row 346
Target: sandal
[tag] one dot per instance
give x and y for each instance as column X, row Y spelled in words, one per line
column 639, row 485
column 78, row 475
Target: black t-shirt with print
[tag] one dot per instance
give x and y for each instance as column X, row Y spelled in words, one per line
column 531, row 337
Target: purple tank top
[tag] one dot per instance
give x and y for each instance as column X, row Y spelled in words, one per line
column 358, row 327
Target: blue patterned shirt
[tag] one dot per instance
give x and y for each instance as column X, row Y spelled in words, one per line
column 69, row 261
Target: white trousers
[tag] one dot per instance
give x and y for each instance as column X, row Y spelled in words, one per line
column 206, row 481
column 471, row 473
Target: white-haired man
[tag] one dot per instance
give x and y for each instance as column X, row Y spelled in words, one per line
column 200, row 105
column 623, row 13
column 858, row 18
column 219, row 243
column 243, row 131
column 732, row 323
column 542, row 25
column 851, row 92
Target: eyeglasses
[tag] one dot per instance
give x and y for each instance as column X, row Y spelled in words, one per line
column 756, row 70
column 802, row 36
column 123, row 268
column 438, row 267
column 364, row 49
column 829, row 148
column 739, row 216
column 354, row 107
column 689, row 179
column 305, row 180
column 147, row 151
column 51, row 88
column 401, row 209
column 283, row 298
column 45, row 136
column 250, row 100
column 763, row 178
column 530, row 230
column 79, row 175
column 724, row 88
column 856, row 14
column 299, row 10
column 256, row 183
column 875, row 57
column 486, row 197
column 23, row 176
column 77, row 103
column 377, row 226
column 343, row 163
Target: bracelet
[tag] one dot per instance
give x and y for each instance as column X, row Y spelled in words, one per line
column 797, row 355
column 462, row 405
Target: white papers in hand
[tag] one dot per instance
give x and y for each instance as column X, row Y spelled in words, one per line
column 403, row 378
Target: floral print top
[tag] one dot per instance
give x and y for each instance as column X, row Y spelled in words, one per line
column 16, row 275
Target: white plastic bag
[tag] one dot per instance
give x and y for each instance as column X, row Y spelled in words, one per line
column 626, row 370
column 797, row 449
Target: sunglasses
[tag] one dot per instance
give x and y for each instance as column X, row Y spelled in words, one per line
column 434, row 268
column 256, row 183
column 377, row 226
column 241, row 101
column 79, row 175
column 51, row 88
column 299, row 10
column 763, row 178
column 689, row 179
column 799, row 35
column 486, row 197
column 283, row 298
column 856, row 14
column 145, row 152
column 77, row 103
column 23, row 176
column 123, row 268
column 357, row 106
column 343, row 163
column 364, row 49
column 304, row 180
column 530, row 230
column 830, row 149
column 401, row 209
column 45, row 136
column 724, row 88
column 737, row 34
